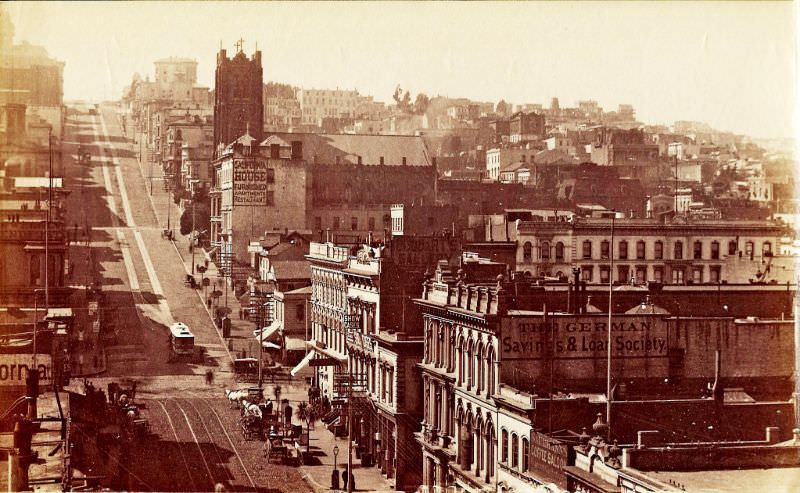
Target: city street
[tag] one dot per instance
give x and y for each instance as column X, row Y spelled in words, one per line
column 141, row 274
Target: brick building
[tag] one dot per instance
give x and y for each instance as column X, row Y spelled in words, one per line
column 495, row 372
column 238, row 98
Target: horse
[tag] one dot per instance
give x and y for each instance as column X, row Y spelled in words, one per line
column 235, row 397
column 251, row 409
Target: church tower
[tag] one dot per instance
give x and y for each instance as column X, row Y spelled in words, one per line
column 238, row 97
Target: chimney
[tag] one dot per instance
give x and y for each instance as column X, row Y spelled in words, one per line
column 297, row 149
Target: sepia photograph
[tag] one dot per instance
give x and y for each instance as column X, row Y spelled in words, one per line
column 399, row 247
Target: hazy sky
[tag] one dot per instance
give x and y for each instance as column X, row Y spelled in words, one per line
column 730, row 64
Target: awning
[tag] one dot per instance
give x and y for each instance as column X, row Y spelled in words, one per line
column 268, row 331
column 209, row 255
column 294, row 344
column 326, row 352
column 303, row 363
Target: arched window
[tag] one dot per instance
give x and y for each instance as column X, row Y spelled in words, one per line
column 490, row 373
column 527, row 249
column 451, row 360
column 479, row 360
column 605, row 248
column 525, row 452
column 470, row 365
column 732, row 247
column 429, row 343
column 514, row 451
column 478, row 439
column 766, row 249
column 559, row 251
column 697, row 250
column 489, row 444
column 678, row 250
column 545, row 250
column 504, row 446
column 460, row 356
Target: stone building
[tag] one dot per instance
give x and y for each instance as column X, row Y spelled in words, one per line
column 27, row 72
column 680, row 251
column 361, row 312
column 496, row 371
column 526, row 126
column 341, row 187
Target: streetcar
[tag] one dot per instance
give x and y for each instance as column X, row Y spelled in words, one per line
column 181, row 340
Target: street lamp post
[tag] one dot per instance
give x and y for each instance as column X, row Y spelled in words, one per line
column 192, row 236
column 169, row 205
column 335, row 454
column 335, row 472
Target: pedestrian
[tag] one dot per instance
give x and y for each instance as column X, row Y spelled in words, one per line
column 344, row 479
column 209, row 377
column 208, row 302
column 352, row 482
column 240, row 313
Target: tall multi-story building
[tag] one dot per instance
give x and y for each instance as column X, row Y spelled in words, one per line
column 175, row 70
column 339, row 186
column 504, row 376
column 362, row 311
column 317, row 104
column 526, row 126
column 680, row 251
column 238, row 98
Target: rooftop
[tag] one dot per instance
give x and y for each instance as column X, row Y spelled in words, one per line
column 733, row 481
column 326, row 148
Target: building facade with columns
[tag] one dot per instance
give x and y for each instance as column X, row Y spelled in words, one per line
column 678, row 251
column 459, row 374
column 368, row 334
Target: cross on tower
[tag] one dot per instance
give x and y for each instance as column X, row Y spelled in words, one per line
column 239, row 45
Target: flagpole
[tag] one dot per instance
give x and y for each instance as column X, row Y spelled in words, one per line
column 608, row 342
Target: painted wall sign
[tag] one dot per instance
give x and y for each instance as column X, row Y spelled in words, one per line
column 583, row 337
column 549, row 457
column 250, row 182
column 14, row 369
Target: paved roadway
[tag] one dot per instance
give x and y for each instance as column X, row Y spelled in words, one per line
column 196, row 442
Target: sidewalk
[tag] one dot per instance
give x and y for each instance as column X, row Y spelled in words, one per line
column 242, row 343
column 322, row 443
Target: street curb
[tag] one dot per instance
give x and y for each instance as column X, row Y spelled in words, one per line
column 318, row 488
column 202, row 302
